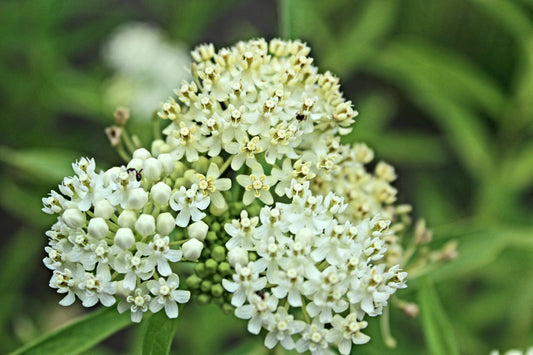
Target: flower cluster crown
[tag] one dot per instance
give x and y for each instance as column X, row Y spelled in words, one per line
column 250, row 195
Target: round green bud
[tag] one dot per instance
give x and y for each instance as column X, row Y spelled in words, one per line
column 193, row 282
column 180, row 182
column 215, row 227
column 211, row 266
column 206, row 286
column 211, row 236
column 218, row 300
column 252, row 256
column 200, row 270
column 227, row 308
column 217, row 278
column 204, row 299
column 219, row 253
column 217, row 290
column 224, row 268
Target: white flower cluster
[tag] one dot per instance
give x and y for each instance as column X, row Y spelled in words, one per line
column 311, row 266
column 124, row 221
column 305, row 244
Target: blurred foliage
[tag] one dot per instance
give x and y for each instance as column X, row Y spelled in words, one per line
column 444, row 89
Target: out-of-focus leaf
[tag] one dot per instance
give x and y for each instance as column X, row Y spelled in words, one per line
column 455, row 77
column 19, row 254
column 433, row 202
column 519, row 171
column 437, row 328
column 158, row 335
column 509, row 14
column 356, row 45
column 465, row 131
column 48, row 164
column 23, row 204
column 79, row 335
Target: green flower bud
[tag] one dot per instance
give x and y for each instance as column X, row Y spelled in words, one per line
column 211, row 236
column 211, row 266
column 224, row 268
column 218, row 300
column 200, row 270
column 204, row 299
column 193, row 282
column 179, row 169
column 227, row 308
column 215, row 227
column 219, row 253
column 217, row 290
column 202, row 165
column 217, row 278
column 206, row 286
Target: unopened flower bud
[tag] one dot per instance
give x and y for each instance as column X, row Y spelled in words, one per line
column 167, row 162
column 104, row 209
column 211, row 266
column 145, row 225
column 124, row 238
column 136, row 199
column 219, row 253
column 136, row 164
column 122, row 114
column 192, row 249
column 160, row 193
column 98, row 228
column 198, row 230
column 217, row 290
column 165, row 223
column 127, row 219
column 74, row 218
column 237, row 255
column 152, row 169
column 142, row 154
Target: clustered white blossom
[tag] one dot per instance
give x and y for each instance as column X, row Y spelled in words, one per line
column 286, row 225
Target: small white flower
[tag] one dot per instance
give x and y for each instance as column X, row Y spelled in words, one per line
column 97, row 288
column 211, row 185
column 260, row 309
column 281, row 327
column 346, row 331
column 246, row 280
column 313, row 339
column 167, row 295
column 188, row 202
column 133, row 267
column 257, row 185
column 159, row 252
column 137, row 302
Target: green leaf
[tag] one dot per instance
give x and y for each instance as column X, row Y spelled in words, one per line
column 23, row 203
column 44, row 164
column 437, row 328
column 511, row 16
column 79, row 335
column 357, row 44
column 159, row 333
column 466, row 132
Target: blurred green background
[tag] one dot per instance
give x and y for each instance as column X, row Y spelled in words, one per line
column 444, row 89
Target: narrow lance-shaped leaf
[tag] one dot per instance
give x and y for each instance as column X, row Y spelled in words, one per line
column 158, row 335
column 437, row 328
column 80, row 335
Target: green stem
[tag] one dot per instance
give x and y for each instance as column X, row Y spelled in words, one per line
column 385, row 329
column 156, row 126
column 284, row 18
column 225, row 165
column 127, row 141
column 122, row 153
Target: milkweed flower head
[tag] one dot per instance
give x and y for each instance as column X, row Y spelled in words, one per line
column 287, row 227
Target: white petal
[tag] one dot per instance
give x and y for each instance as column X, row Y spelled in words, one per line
column 137, row 316
column 245, row 312
column 222, row 184
column 107, row 300
column 229, row 285
column 163, row 267
column 171, row 309
column 155, row 305
column 271, row 340
column 183, row 218
column 254, row 325
column 174, row 255
column 68, row 299
column 248, row 197
column 182, row 296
